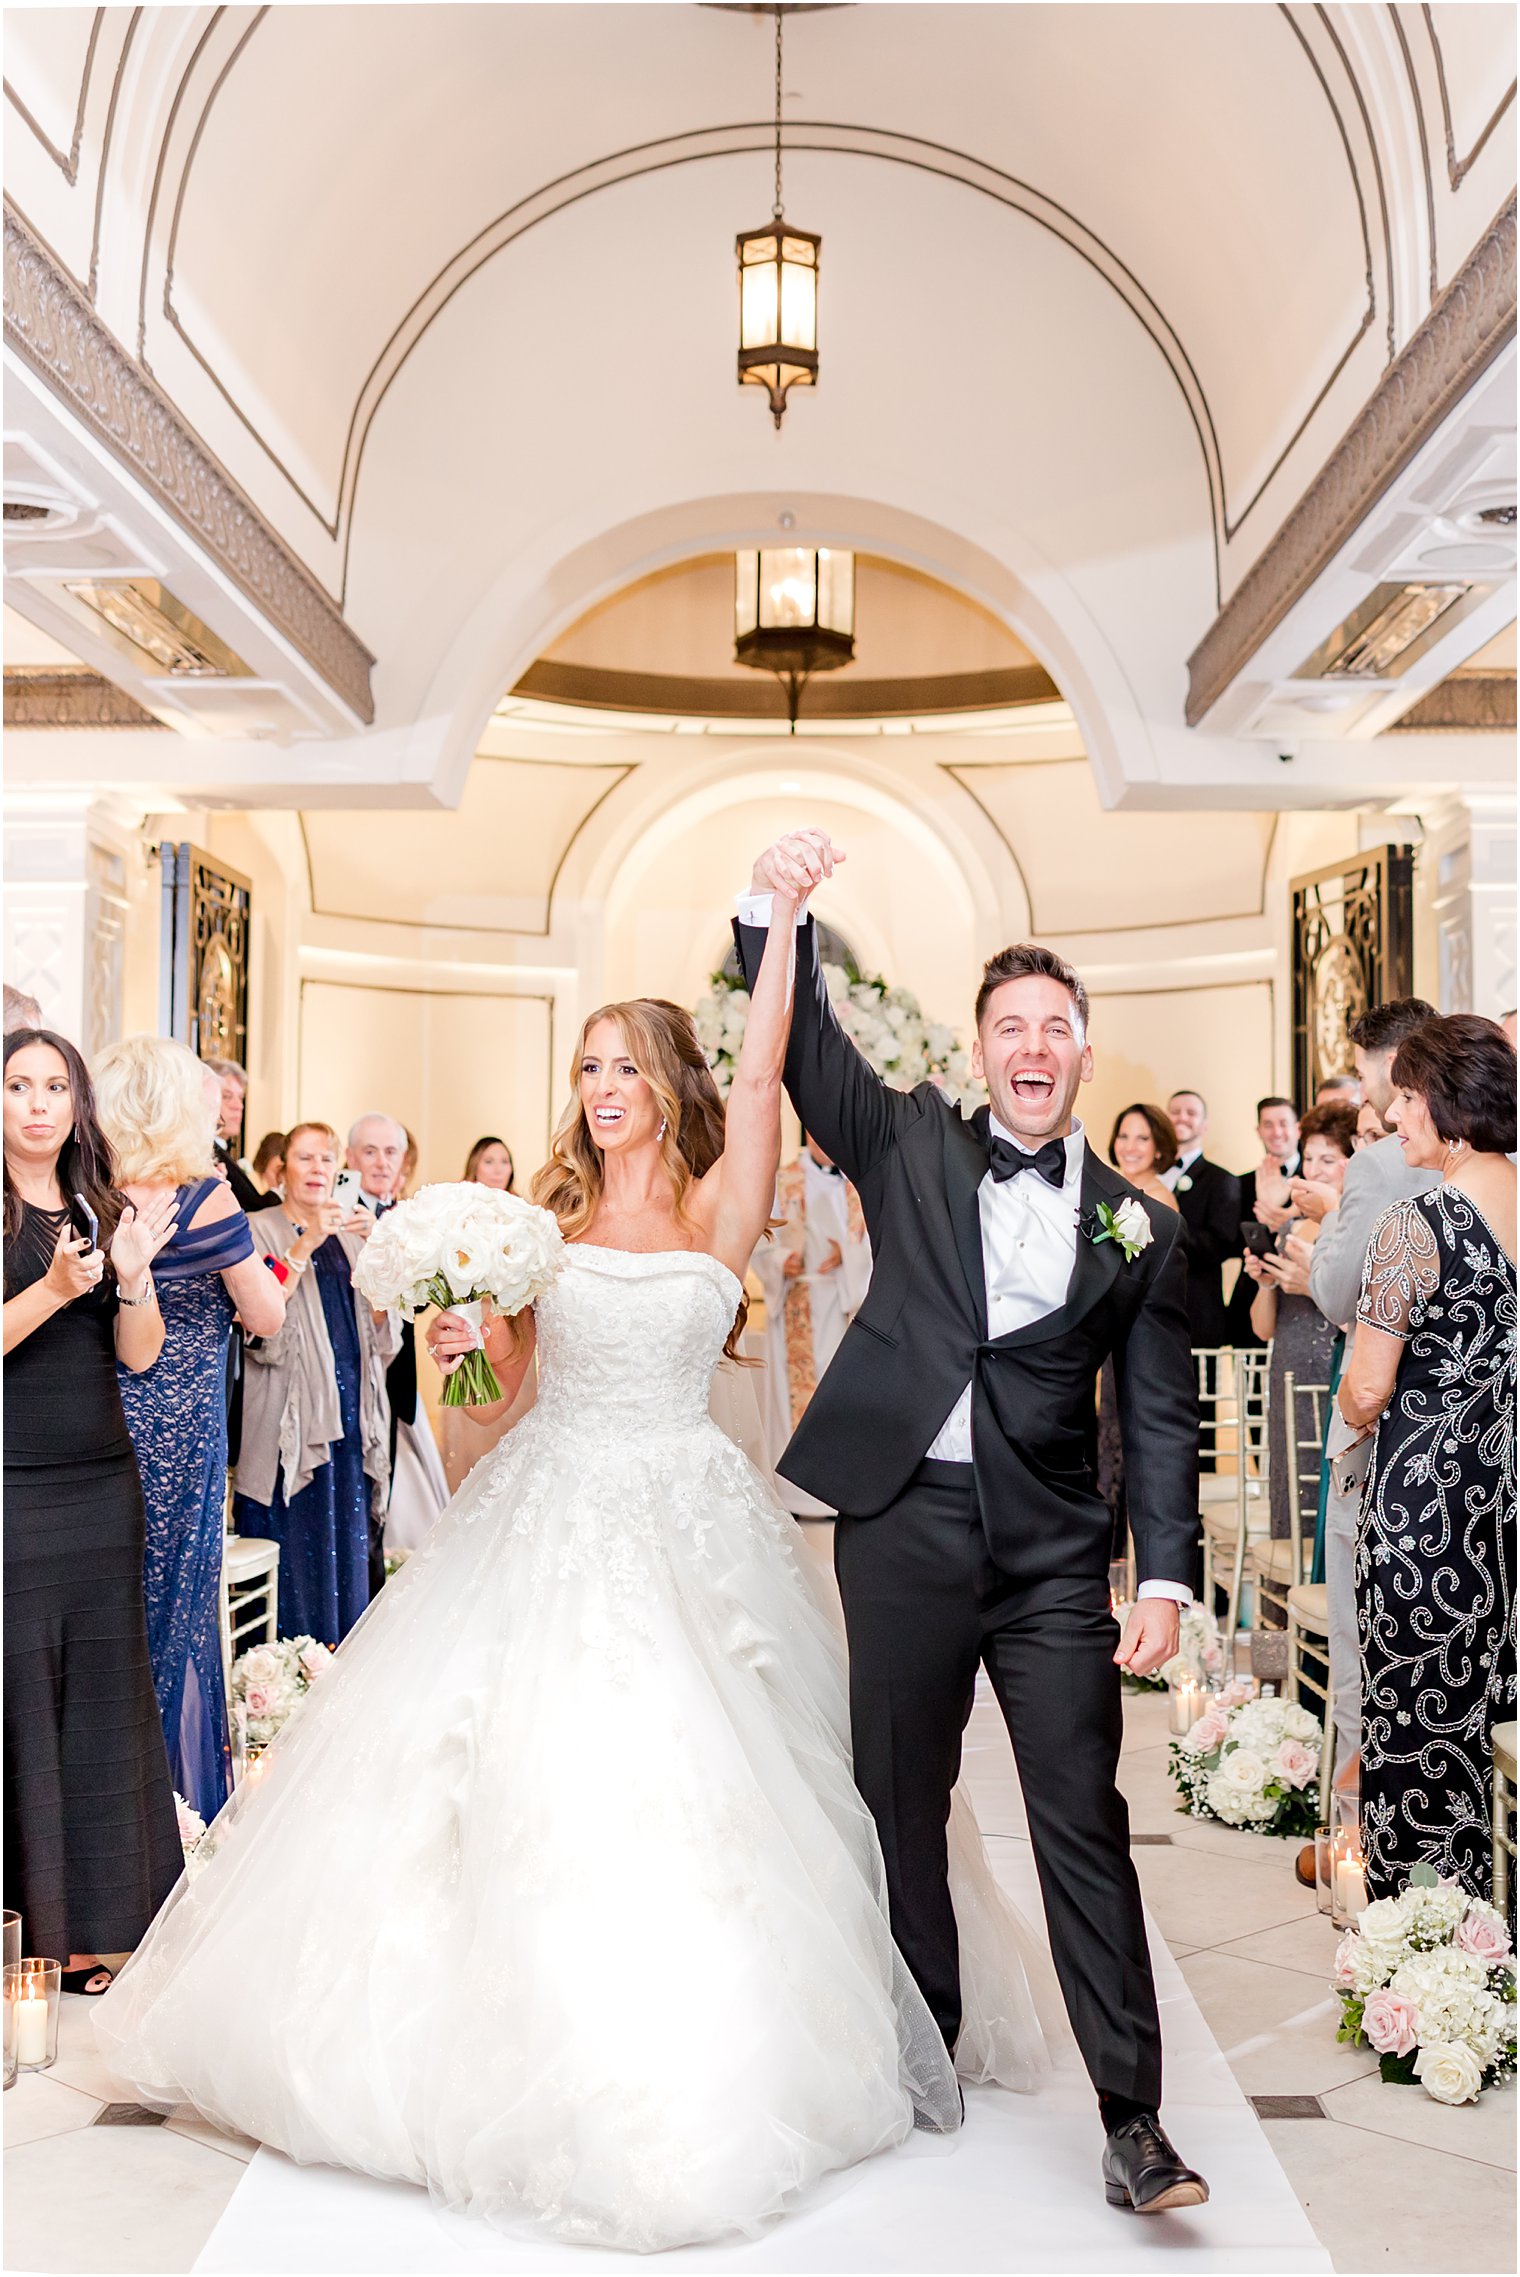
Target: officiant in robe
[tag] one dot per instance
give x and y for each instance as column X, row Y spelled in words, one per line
column 814, row 1272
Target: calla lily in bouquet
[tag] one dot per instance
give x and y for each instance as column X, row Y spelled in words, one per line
column 1252, row 1763
column 1427, row 1980
column 455, row 1246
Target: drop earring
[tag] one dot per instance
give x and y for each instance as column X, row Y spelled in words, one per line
column 664, row 1126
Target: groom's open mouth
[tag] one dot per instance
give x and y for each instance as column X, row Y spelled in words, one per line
column 1033, row 1085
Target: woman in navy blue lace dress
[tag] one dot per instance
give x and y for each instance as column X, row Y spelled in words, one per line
column 1433, row 1372
column 156, row 1106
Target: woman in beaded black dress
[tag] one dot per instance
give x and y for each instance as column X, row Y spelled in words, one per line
column 1433, row 1372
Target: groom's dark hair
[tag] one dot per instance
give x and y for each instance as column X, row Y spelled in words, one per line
column 1017, row 963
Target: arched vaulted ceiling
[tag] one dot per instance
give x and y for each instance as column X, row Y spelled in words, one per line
column 448, row 290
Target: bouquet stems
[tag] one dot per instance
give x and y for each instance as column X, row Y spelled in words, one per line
column 472, row 1384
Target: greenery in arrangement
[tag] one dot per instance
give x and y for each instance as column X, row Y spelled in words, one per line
column 1252, row 1763
column 887, row 1026
column 1427, row 1980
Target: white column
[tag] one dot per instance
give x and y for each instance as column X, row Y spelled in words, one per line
column 1467, row 878
column 67, row 893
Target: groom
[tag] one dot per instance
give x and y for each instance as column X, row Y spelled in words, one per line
column 954, row 1433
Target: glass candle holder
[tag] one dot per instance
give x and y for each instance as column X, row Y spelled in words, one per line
column 12, row 1937
column 1322, row 1874
column 33, row 1995
column 1348, row 1877
column 1189, row 1698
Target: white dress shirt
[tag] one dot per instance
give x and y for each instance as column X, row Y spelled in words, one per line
column 1180, row 1168
column 1029, row 1252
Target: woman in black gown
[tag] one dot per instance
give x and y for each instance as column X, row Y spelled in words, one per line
column 91, row 1838
column 1433, row 1372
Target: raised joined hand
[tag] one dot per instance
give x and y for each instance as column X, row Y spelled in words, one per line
column 796, row 864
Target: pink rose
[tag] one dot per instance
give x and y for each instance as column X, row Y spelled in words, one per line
column 1208, row 1731
column 1391, row 2022
column 1484, row 1937
column 315, row 1662
column 1295, row 1762
column 258, row 1700
column 1343, row 1976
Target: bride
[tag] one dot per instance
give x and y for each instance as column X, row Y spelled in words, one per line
column 557, row 1897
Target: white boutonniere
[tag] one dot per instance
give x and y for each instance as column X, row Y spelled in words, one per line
column 1128, row 1225
column 1184, row 1185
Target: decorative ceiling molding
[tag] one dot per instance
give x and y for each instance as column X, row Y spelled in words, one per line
column 1458, row 169
column 760, row 697
column 67, row 161
column 1469, row 703
column 1471, row 323
column 52, row 327
column 43, row 699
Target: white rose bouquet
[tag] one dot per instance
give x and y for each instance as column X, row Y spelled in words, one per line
column 454, row 1246
column 1252, row 1763
column 886, row 1025
column 269, row 1683
column 1427, row 1980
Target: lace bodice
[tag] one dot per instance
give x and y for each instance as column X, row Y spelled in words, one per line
column 634, row 1337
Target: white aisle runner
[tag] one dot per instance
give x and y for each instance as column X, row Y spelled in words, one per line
column 1018, row 2189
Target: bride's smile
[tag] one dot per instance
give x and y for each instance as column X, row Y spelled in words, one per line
column 620, row 1107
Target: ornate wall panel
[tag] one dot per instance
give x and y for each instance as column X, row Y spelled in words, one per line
column 1353, row 946
column 203, row 969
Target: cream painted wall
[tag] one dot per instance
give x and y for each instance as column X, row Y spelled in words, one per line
column 1217, row 1040
column 451, row 1064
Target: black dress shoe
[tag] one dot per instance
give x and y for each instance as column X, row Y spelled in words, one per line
column 1142, row 2171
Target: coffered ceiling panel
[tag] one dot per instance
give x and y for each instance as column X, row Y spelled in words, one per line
column 489, row 865
column 1088, row 871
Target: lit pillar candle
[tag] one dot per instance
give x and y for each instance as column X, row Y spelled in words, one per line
column 1189, row 1699
column 1351, row 1890
column 30, row 2025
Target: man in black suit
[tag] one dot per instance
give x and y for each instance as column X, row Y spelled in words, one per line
column 1208, row 1198
column 955, row 1433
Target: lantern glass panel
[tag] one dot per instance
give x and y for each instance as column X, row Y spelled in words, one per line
column 757, row 299
column 836, row 591
column 746, row 593
column 799, row 305
column 788, row 587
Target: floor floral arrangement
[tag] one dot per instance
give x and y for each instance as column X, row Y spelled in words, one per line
column 1251, row 1762
column 1427, row 1980
column 270, row 1681
column 886, row 1025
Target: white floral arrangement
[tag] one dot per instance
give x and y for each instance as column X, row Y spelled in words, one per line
column 886, row 1025
column 1251, row 1762
column 192, row 1827
column 269, row 1682
column 454, row 1246
column 1200, row 1648
column 1427, row 1980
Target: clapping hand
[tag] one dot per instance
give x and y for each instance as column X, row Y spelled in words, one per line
column 1274, row 1214
column 796, row 864
column 1312, row 1198
column 139, row 1237
column 76, row 1267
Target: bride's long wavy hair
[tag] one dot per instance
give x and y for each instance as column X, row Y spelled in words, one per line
column 661, row 1041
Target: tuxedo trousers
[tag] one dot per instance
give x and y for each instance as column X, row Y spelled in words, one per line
column 925, row 1605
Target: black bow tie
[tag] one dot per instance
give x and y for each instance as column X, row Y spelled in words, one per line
column 1008, row 1160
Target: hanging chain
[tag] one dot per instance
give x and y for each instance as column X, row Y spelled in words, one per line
column 776, row 209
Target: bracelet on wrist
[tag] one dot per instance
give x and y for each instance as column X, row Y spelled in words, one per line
column 293, row 1263
column 149, row 1292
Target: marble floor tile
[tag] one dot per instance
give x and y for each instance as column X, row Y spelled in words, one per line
column 40, row 2105
column 114, row 2200
column 79, row 2063
column 1308, row 1944
column 1276, row 2026
column 1387, row 2205
column 1484, row 2131
column 188, row 2122
column 1197, row 1896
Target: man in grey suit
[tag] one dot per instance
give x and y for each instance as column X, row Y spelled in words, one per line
column 1375, row 1178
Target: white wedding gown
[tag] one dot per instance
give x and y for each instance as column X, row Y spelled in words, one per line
column 556, row 1896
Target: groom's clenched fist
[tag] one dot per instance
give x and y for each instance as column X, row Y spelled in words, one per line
column 1151, row 1636
column 796, row 863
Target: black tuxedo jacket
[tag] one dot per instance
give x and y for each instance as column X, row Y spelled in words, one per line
column 1211, row 1214
column 921, row 1335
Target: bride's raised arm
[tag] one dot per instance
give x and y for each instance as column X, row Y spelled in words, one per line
column 738, row 1191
